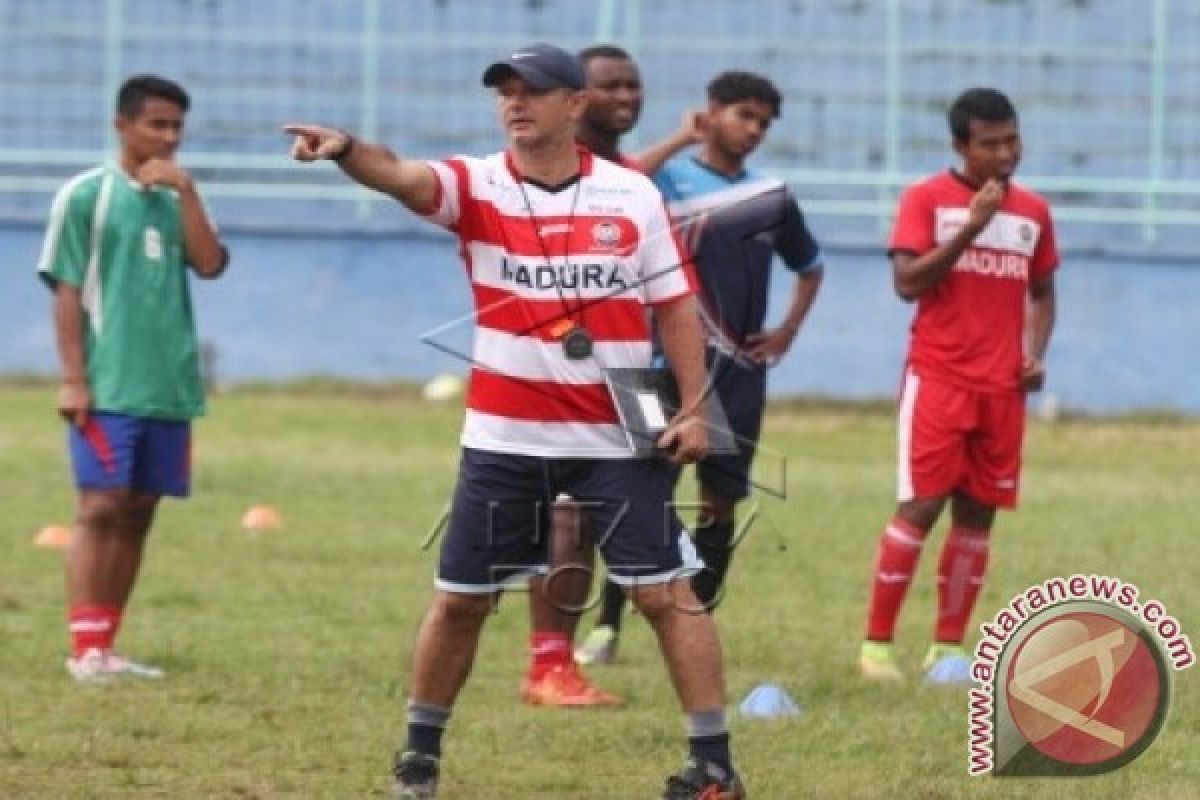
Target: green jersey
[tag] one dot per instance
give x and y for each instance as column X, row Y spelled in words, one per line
column 121, row 244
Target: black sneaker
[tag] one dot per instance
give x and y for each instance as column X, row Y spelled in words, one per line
column 416, row 776
column 704, row 782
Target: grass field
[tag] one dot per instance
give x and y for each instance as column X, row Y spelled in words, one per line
column 287, row 652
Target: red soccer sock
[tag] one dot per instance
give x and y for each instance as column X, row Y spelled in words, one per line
column 92, row 627
column 548, row 649
column 960, row 577
column 899, row 550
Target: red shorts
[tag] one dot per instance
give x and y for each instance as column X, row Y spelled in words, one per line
column 953, row 439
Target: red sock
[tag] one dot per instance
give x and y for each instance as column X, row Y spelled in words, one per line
column 92, row 627
column 899, row 549
column 548, row 649
column 960, row 577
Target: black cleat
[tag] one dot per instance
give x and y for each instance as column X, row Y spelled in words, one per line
column 416, row 776
column 704, row 782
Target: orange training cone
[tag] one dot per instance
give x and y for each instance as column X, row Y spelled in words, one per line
column 262, row 518
column 53, row 537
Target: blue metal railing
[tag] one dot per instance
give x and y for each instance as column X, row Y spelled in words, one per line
column 1105, row 91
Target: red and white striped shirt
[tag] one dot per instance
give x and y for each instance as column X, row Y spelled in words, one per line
column 595, row 252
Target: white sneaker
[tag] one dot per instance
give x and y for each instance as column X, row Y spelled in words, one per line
column 100, row 666
column 600, row 647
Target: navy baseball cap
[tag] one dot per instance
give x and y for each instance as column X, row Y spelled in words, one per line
column 542, row 66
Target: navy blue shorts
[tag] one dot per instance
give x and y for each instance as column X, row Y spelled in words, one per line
column 120, row 451
column 499, row 526
column 743, row 395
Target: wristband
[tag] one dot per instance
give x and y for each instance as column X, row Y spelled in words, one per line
column 341, row 154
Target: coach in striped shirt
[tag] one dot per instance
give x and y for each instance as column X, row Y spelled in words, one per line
column 565, row 253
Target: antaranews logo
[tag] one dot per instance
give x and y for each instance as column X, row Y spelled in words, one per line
column 1073, row 678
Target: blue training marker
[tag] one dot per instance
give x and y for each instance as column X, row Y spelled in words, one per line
column 769, row 701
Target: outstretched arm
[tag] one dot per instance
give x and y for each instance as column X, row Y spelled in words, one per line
column 410, row 181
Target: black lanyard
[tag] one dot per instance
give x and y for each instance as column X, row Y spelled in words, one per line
column 571, row 329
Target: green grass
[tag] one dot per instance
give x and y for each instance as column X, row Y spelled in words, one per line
column 287, row 652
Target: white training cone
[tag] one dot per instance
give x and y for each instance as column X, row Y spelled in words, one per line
column 442, row 387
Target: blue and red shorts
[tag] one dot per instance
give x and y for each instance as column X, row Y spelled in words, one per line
column 120, row 451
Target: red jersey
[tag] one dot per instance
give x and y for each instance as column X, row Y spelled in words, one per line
column 969, row 328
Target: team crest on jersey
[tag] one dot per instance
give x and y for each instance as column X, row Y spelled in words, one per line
column 606, row 234
column 152, row 241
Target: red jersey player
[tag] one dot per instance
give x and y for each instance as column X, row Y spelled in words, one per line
column 977, row 254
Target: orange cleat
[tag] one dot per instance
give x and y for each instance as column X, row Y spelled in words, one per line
column 565, row 687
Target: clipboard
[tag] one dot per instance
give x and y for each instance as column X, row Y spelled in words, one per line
column 647, row 399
